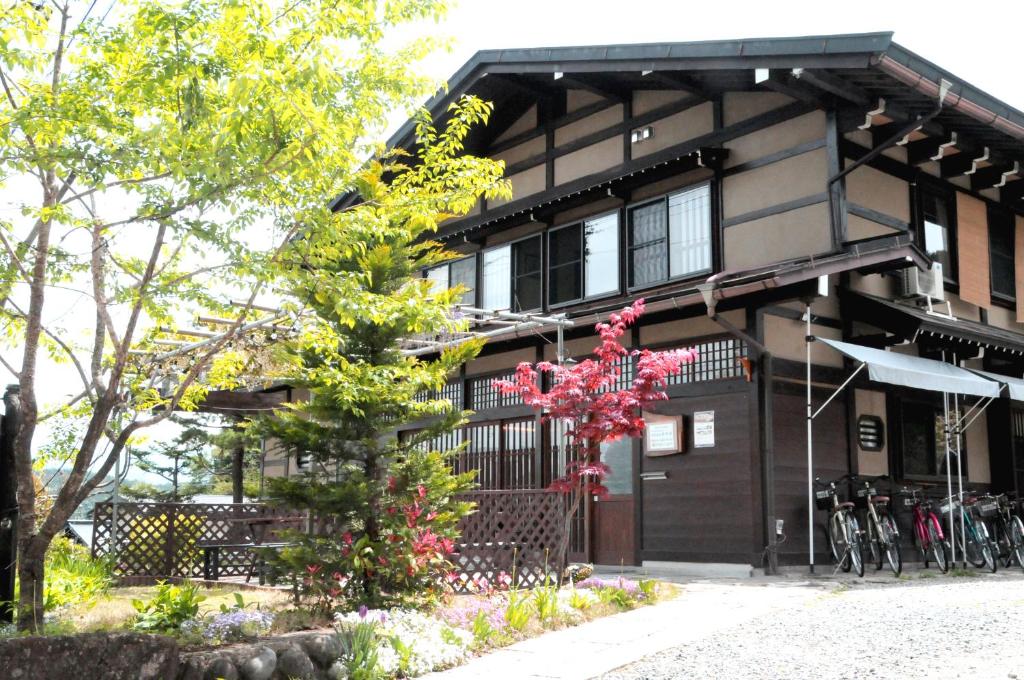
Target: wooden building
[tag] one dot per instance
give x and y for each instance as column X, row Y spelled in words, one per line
column 720, row 181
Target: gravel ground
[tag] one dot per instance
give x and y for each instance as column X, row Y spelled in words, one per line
column 861, row 631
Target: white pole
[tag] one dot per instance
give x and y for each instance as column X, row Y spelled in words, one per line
column 949, row 474
column 810, row 454
column 960, row 481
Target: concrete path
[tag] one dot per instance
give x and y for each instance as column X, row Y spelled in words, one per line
column 605, row 644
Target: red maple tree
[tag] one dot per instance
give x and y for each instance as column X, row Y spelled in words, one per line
column 583, row 397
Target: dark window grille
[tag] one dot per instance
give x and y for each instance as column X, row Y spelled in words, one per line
column 716, row 360
column 452, row 391
column 1001, row 246
column 483, row 394
column 502, row 452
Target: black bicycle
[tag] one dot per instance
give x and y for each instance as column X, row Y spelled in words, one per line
column 1004, row 527
column 883, row 536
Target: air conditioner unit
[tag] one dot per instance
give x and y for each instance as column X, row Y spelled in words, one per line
column 924, row 284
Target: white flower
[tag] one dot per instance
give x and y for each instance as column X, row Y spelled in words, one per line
column 424, row 642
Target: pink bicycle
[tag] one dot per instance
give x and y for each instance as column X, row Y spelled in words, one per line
column 927, row 528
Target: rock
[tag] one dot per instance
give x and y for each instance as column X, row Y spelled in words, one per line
column 221, row 669
column 261, row 666
column 112, row 656
column 337, row 671
column 293, row 663
column 323, row 649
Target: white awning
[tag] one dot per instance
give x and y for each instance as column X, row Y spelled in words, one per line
column 1014, row 385
column 923, row 374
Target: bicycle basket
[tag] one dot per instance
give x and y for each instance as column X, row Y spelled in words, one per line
column 823, row 499
column 988, row 507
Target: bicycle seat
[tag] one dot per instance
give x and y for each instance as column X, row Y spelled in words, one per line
column 846, row 504
column 879, row 499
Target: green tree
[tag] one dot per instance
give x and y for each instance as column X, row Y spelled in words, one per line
column 390, row 501
column 142, row 151
column 185, row 465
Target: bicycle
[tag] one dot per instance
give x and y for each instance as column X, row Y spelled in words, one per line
column 1005, row 527
column 842, row 528
column 973, row 542
column 883, row 536
column 927, row 528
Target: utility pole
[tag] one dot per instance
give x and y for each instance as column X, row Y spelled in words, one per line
column 8, row 501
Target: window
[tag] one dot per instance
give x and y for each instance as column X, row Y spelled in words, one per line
column 1001, row 245
column 671, row 237
column 924, row 442
column 512, row 276
column 451, row 274
column 618, row 455
column 938, row 227
column 584, row 260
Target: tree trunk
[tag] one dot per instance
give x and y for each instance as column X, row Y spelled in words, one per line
column 31, row 568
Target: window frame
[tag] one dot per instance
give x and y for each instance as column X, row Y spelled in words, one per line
column 448, row 266
column 897, row 438
column 512, row 273
column 999, row 212
column 581, row 224
column 950, row 275
column 664, row 198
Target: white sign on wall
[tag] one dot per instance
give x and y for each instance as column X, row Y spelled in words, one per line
column 663, row 435
column 703, row 429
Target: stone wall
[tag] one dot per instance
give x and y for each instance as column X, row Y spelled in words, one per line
column 305, row 656
column 116, row 656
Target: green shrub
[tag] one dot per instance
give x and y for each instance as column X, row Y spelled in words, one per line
column 168, row 609
column 73, row 576
column 518, row 610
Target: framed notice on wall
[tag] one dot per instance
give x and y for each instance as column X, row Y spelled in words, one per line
column 703, row 429
column 663, row 435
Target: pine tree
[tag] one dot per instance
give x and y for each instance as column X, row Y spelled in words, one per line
column 387, row 508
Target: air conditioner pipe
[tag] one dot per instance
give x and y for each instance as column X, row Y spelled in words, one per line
column 767, row 438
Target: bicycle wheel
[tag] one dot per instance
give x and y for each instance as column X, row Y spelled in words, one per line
column 890, row 539
column 937, row 546
column 874, row 543
column 853, row 536
column 834, row 528
column 969, row 544
column 1017, row 540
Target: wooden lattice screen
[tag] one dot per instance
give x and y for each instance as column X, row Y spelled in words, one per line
column 162, row 539
column 517, row 532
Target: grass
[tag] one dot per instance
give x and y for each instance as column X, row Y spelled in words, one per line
column 960, row 572
column 115, row 608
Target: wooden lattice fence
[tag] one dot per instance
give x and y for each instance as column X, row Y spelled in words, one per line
column 513, row 531
column 517, row 532
column 162, row 539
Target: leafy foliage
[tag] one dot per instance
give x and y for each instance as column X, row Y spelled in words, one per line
column 172, row 606
column 583, row 397
column 390, row 504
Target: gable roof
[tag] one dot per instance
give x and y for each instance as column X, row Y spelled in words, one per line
column 855, row 69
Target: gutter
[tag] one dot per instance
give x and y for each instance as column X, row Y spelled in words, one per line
column 920, row 83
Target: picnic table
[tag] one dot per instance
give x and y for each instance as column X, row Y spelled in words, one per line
column 257, row 526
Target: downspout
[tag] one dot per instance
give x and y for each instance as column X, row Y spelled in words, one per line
column 767, row 438
column 915, row 124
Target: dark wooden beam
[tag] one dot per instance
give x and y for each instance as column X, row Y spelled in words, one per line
column 880, row 133
column 677, row 82
column 524, row 86
column 1013, row 194
column 836, row 86
column 784, row 83
column 930, row 148
column 579, row 81
column 993, row 175
column 964, row 162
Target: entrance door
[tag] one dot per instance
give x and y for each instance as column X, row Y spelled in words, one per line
column 614, row 537
column 697, row 506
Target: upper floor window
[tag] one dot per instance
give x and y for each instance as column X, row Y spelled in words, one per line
column 670, row 238
column 584, row 260
column 511, row 276
column 451, row 274
column 1001, row 245
column 939, row 228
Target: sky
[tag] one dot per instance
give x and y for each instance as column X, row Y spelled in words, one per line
column 977, row 46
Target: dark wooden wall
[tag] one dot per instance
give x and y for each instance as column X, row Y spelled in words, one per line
column 830, row 461
column 702, row 512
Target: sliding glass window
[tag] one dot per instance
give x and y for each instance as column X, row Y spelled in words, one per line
column 584, row 260
column 670, row 238
column 457, row 273
column 512, row 276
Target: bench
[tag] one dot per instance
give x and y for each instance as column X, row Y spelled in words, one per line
column 211, row 558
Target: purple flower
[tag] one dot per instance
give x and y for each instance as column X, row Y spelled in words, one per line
column 363, row 610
